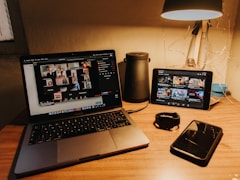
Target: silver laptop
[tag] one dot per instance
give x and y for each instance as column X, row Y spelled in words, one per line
column 75, row 111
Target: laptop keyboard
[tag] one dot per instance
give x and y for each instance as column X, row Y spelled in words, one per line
column 66, row 128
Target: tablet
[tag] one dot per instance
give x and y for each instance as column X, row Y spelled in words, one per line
column 182, row 88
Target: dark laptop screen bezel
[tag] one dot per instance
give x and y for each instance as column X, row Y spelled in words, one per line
column 188, row 101
column 114, row 102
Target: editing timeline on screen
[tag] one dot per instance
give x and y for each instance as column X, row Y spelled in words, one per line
column 184, row 88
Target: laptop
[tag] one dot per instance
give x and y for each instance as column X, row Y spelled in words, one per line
column 77, row 90
column 182, row 88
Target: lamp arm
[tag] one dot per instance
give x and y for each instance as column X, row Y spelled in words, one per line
column 200, row 28
column 197, row 45
column 199, row 39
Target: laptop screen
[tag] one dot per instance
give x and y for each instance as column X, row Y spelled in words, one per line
column 77, row 82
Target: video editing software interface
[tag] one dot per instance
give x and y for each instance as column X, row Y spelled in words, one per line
column 181, row 88
column 71, row 83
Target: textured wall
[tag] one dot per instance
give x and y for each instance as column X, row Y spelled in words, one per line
column 233, row 74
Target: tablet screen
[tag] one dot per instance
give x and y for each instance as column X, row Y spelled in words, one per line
column 182, row 88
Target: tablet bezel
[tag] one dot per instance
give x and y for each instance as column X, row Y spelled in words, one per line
column 205, row 104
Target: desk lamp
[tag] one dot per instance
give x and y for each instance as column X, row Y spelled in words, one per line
column 193, row 10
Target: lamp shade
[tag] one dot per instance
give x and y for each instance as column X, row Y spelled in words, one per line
column 192, row 10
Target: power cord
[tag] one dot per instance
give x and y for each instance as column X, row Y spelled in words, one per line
column 137, row 110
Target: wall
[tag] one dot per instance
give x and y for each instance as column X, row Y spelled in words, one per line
column 54, row 26
column 126, row 26
column 11, row 91
column 233, row 73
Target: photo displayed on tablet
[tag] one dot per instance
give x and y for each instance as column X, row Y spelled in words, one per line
column 183, row 88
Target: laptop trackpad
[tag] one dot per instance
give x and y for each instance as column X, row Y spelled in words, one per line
column 86, row 146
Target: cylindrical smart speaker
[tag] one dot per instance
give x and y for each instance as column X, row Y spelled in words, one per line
column 136, row 87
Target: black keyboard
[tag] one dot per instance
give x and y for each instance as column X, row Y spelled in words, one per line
column 66, row 128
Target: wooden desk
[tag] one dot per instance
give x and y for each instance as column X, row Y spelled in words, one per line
column 154, row 162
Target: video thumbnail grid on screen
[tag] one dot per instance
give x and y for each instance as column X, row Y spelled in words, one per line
column 64, row 81
column 183, row 88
